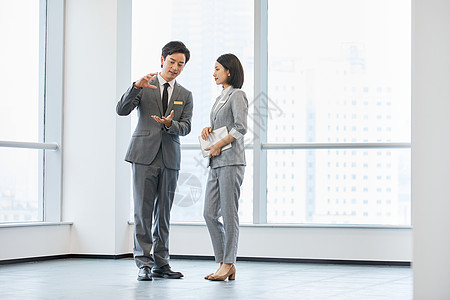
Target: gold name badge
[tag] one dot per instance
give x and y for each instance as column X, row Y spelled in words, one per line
column 178, row 102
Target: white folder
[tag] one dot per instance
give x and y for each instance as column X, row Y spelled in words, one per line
column 214, row 136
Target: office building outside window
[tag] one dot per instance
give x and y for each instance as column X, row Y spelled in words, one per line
column 338, row 74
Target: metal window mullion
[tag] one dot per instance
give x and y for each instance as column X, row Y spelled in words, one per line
column 260, row 112
column 54, row 79
column 42, row 50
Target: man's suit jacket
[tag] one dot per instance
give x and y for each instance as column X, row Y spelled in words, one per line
column 231, row 111
column 149, row 135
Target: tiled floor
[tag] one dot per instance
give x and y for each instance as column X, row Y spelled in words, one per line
column 116, row 279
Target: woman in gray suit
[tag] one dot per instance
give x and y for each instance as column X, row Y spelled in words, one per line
column 226, row 167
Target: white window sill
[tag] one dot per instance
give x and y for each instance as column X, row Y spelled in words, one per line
column 33, row 224
column 340, row 226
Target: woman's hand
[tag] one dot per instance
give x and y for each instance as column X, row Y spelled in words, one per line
column 214, row 150
column 205, row 133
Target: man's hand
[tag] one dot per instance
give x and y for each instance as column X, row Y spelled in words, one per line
column 205, row 133
column 167, row 121
column 145, row 82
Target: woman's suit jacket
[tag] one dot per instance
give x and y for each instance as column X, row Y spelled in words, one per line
column 231, row 111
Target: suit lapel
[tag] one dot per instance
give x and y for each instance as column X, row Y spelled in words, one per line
column 222, row 102
column 211, row 115
column 175, row 93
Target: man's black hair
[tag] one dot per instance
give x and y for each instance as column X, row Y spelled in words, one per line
column 175, row 47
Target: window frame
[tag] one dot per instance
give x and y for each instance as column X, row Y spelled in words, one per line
column 260, row 145
column 51, row 76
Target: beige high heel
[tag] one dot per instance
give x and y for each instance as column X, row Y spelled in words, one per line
column 220, row 266
column 231, row 275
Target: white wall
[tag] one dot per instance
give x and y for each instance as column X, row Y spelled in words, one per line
column 34, row 241
column 93, row 196
column 431, row 148
column 325, row 243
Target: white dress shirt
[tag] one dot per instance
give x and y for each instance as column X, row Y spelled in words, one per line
column 222, row 96
column 161, row 81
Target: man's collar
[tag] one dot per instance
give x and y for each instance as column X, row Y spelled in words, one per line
column 162, row 80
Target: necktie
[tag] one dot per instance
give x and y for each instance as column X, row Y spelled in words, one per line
column 165, row 97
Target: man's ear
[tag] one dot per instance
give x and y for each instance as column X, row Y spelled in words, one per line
column 162, row 61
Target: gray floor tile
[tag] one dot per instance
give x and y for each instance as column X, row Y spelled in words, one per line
column 116, row 279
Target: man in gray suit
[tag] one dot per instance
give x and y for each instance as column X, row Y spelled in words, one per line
column 165, row 112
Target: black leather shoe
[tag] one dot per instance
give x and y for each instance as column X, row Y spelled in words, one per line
column 166, row 272
column 144, row 274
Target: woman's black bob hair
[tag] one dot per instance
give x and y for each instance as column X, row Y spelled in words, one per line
column 231, row 63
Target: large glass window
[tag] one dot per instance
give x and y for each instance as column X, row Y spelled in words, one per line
column 339, row 72
column 20, row 110
column 335, row 186
column 339, row 76
column 31, row 110
column 19, row 70
column 209, row 29
column 20, row 185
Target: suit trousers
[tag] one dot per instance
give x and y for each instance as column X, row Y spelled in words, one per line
column 154, row 190
column 222, row 200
